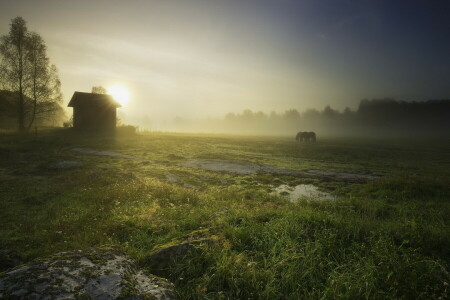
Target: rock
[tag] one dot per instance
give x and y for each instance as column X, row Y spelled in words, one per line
column 67, row 164
column 9, row 259
column 95, row 273
column 163, row 257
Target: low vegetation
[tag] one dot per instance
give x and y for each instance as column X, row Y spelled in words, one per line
column 384, row 239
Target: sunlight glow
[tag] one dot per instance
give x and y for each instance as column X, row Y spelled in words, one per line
column 119, row 93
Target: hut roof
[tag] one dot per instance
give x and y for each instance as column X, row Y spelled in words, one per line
column 81, row 98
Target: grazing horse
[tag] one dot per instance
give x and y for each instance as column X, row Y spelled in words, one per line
column 304, row 136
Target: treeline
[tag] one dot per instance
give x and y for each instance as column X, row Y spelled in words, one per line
column 30, row 89
column 48, row 113
column 377, row 117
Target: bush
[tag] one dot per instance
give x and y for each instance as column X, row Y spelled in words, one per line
column 68, row 124
column 127, row 129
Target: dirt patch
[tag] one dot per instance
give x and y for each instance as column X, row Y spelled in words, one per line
column 246, row 168
column 302, row 191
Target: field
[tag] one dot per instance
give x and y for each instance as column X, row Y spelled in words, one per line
column 387, row 238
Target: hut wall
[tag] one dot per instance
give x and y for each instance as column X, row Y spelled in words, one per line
column 95, row 118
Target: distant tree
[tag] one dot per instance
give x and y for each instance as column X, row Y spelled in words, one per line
column 328, row 112
column 26, row 71
column 311, row 114
column 260, row 116
column 273, row 115
column 247, row 114
column 347, row 111
column 291, row 114
column 99, row 90
column 230, row 117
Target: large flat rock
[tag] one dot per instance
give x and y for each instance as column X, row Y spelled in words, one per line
column 95, row 273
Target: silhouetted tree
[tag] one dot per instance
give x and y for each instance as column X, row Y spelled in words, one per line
column 26, row 71
column 98, row 90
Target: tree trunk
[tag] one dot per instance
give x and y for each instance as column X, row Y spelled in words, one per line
column 33, row 114
column 21, row 105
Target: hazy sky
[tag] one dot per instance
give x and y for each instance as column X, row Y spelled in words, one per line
column 208, row 57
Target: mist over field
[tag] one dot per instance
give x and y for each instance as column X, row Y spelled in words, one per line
column 373, row 118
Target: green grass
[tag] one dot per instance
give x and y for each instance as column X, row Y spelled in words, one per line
column 385, row 239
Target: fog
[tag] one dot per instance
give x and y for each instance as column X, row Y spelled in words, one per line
column 372, row 118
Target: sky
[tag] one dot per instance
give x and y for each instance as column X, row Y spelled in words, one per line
column 205, row 58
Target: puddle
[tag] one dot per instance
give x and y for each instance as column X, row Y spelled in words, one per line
column 246, row 168
column 172, row 178
column 306, row 191
column 343, row 175
column 217, row 165
column 175, row 179
column 66, row 164
column 105, row 153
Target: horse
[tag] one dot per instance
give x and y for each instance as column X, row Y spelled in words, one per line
column 304, row 136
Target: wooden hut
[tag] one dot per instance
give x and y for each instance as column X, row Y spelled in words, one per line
column 93, row 112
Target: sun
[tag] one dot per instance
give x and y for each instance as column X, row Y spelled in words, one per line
column 119, row 93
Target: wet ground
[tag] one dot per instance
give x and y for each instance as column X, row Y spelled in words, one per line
column 105, row 153
column 246, row 168
column 302, row 191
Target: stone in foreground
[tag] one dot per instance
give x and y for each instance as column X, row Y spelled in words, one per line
column 96, row 273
